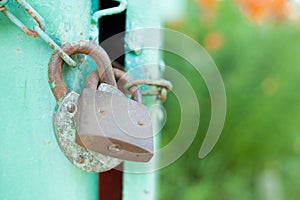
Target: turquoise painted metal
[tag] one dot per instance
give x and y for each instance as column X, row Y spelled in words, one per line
column 142, row 14
column 31, row 163
column 3, row 2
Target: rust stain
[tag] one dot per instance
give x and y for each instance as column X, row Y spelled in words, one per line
column 30, row 32
column 33, row 15
column 51, row 45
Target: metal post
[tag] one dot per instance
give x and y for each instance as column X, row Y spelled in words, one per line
column 31, row 163
column 142, row 14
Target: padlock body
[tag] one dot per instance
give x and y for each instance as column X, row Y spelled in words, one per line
column 114, row 125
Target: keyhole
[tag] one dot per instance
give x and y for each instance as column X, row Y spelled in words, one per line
column 114, row 148
column 71, row 108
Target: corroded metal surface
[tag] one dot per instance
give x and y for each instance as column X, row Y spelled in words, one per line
column 65, row 133
column 162, row 87
column 18, row 23
column 33, row 13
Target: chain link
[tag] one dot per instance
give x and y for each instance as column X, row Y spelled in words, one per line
column 160, row 87
column 37, row 31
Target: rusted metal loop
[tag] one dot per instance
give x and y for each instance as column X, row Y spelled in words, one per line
column 18, row 23
column 93, row 80
column 122, row 79
column 89, row 48
column 33, row 13
column 161, row 83
column 162, row 87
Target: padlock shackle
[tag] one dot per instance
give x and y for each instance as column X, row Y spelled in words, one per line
column 92, row 80
column 122, row 79
column 97, row 53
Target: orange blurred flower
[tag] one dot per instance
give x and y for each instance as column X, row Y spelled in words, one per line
column 213, row 41
column 261, row 10
column 208, row 7
column 207, row 3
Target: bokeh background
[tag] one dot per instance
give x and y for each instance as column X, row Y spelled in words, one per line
column 255, row 44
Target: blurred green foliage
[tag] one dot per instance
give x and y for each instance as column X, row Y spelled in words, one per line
column 258, row 154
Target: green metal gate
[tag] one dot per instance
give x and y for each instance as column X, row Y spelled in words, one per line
column 31, row 164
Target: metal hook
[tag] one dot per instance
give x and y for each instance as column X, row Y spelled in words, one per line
column 101, row 13
column 109, row 11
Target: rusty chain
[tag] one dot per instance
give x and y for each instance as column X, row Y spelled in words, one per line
column 37, row 31
column 161, row 87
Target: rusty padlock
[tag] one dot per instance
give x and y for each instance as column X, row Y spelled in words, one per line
column 111, row 124
column 63, row 116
